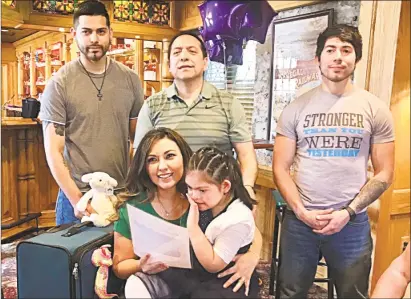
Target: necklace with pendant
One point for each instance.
(164, 209)
(99, 94)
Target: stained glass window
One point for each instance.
(142, 11)
(160, 13)
(62, 7)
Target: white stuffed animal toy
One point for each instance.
(102, 198)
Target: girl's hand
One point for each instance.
(193, 214)
(151, 268)
(242, 271)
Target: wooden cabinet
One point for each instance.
(146, 57)
(27, 184)
(123, 50)
(23, 83)
(8, 78)
(48, 60)
(152, 57)
(39, 56)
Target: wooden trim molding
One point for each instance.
(384, 49)
(368, 11)
(284, 5)
(10, 17)
(146, 32)
(37, 40)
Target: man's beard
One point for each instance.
(336, 80)
(93, 56)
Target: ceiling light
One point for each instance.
(4, 30)
(61, 29)
(18, 26)
(137, 36)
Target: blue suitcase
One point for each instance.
(57, 263)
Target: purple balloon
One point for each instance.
(233, 51)
(252, 19)
(202, 9)
(253, 16)
(258, 33)
(223, 18)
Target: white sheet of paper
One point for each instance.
(164, 241)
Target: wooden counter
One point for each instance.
(265, 209)
(17, 123)
(27, 184)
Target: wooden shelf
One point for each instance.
(41, 55)
(121, 52)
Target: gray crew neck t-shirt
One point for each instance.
(333, 136)
(96, 132)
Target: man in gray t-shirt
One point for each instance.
(333, 135)
(89, 110)
(329, 133)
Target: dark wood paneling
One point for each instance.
(27, 184)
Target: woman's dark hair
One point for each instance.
(90, 8)
(138, 179)
(346, 33)
(219, 167)
(202, 44)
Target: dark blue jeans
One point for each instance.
(347, 253)
(64, 210)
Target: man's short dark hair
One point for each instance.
(202, 44)
(345, 33)
(91, 8)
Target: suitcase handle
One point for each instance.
(60, 227)
(76, 228)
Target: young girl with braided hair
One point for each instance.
(215, 187)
